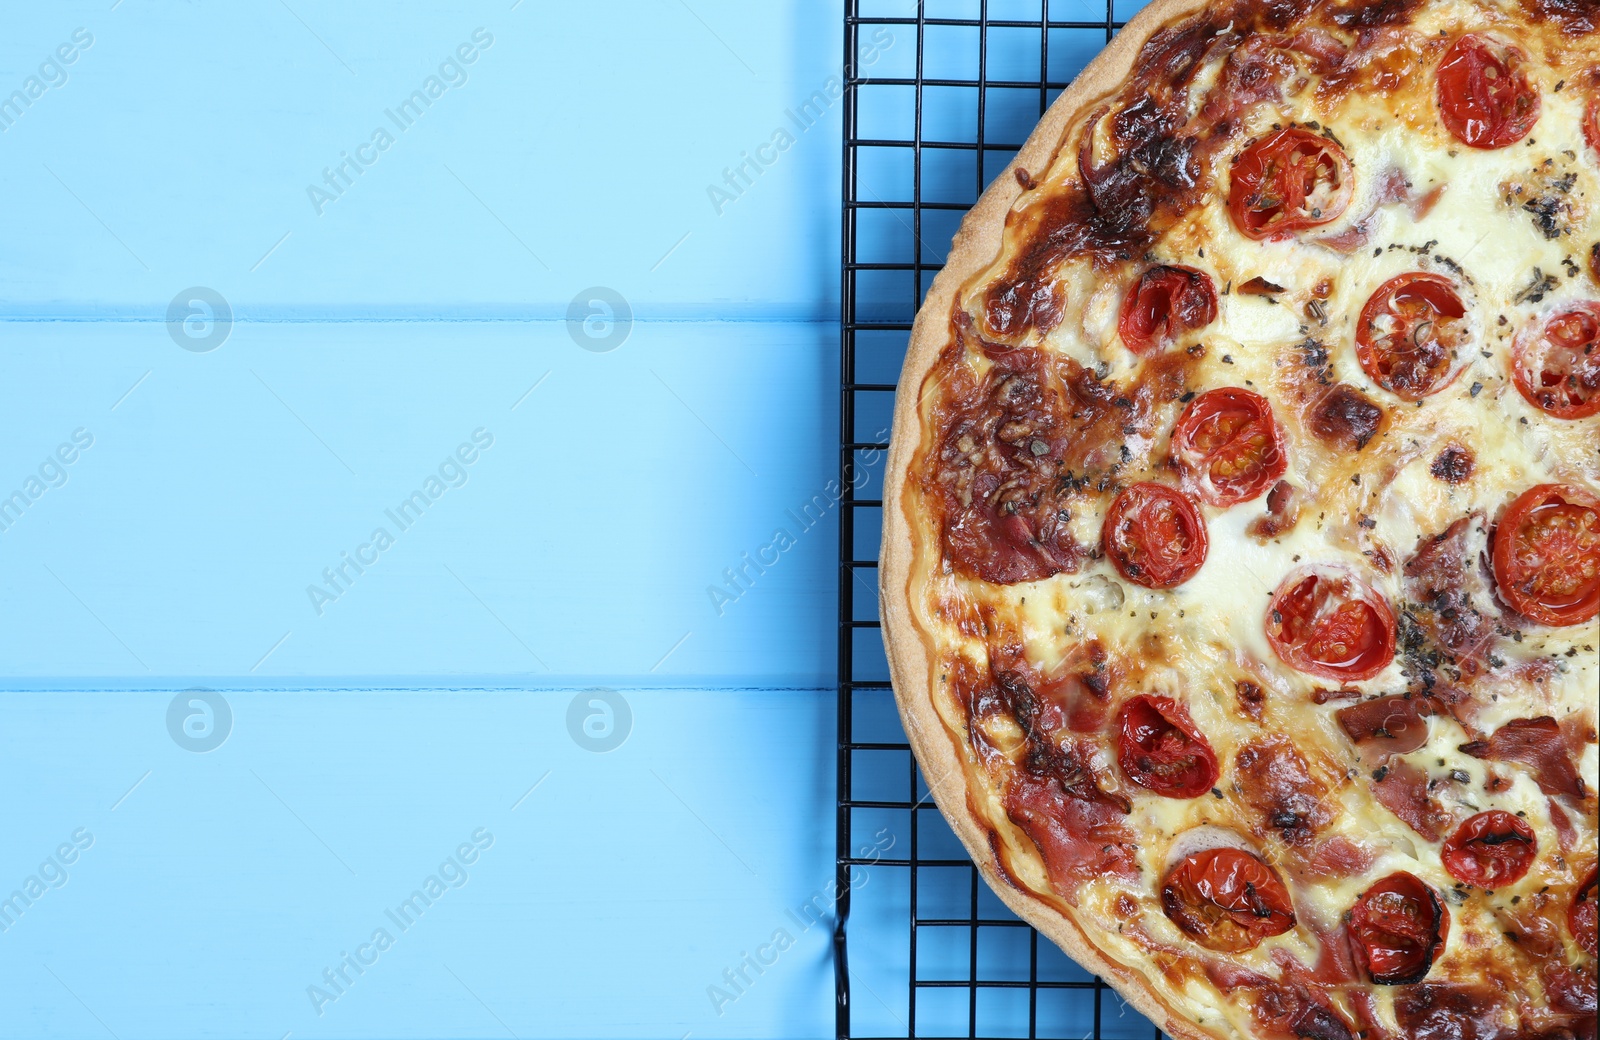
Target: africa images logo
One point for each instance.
(453, 472)
(199, 319)
(52, 473)
(451, 75)
(52, 75)
(199, 720)
(740, 177)
(599, 720)
(52, 873)
(349, 968)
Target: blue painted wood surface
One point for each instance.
(546, 295)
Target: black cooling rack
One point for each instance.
(921, 947)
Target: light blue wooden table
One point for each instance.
(294, 413)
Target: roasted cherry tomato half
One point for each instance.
(1329, 623)
(1556, 363)
(1581, 914)
(1159, 748)
(1485, 99)
(1229, 446)
(1412, 335)
(1491, 850)
(1226, 900)
(1397, 929)
(1166, 302)
(1591, 122)
(1155, 536)
(1546, 555)
(1288, 181)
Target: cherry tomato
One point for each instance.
(1226, 900)
(1591, 122)
(1410, 334)
(1581, 914)
(1546, 555)
(1288, 181)
(1397, 929)
(1485, 99)
(1159, 749)
(1163, 304)
(1328, 623)
(1556, 363)
(1155, 536)
(1491, 850)
(1229, 446)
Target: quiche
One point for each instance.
(1241, 534)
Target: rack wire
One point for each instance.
(939, 96)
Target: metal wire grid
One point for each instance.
(881, 291)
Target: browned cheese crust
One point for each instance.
(1013, 643)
